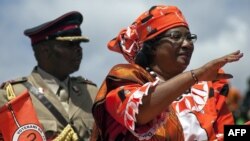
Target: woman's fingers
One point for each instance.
(210, 70)
(232, 57)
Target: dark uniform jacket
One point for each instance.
(82, 92)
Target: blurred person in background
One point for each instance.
(234, 100)
(245, 106)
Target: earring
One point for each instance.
(151, 72)
(154, 74)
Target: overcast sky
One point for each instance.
(222, 26)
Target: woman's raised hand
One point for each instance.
(210, 71)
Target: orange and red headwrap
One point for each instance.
(148, 25)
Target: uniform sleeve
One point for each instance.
(123, 103)
(2, 102)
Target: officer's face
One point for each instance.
(66, 57)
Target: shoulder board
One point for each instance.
(15, 81)
(80, 79)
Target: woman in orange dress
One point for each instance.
(153, 97)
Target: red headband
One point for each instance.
(148, 25)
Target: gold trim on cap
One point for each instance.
(72, 38)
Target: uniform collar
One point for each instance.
(52, 82)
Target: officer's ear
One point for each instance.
(42, 50)
(46, 50)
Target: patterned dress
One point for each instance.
(198, 114)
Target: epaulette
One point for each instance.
(80, 79)
(13, 82)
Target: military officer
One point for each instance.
(57, 50)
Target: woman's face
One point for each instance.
(173, 51)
